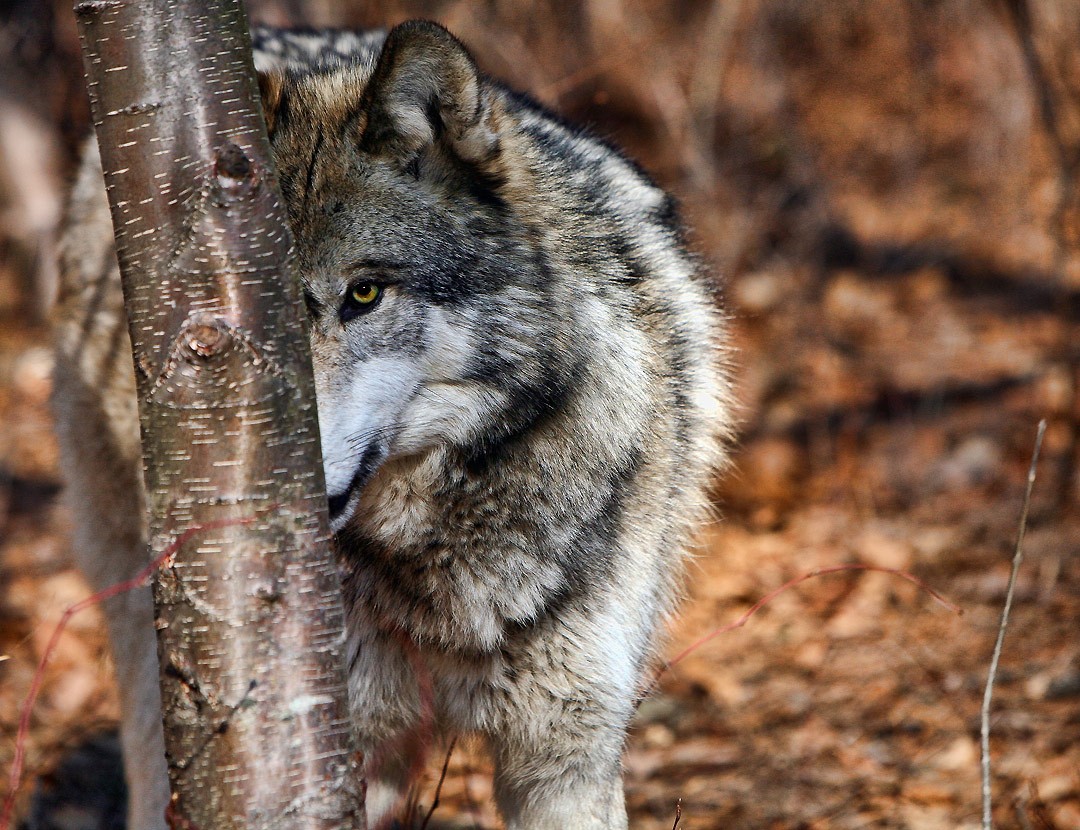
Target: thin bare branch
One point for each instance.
(1018, 557)
(438, 787)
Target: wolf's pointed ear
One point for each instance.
(425, 88)
(272, 91)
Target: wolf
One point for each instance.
(523, 391)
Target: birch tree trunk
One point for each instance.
(249, 613)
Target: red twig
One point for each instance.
(141, 579)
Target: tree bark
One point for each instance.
(249, 611)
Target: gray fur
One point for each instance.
(517, 436)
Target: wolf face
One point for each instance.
(521, 394)
(421, 287)
(394, 354)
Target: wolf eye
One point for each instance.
(365, 293)
(362, 297)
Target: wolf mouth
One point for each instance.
(338, 503)
(369, 462)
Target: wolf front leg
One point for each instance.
(390, 768)
(568, 699)
(538, 788)
(387, 708)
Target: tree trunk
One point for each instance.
(249, 610)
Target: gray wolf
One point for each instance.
(522, 396)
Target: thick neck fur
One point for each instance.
(444, 546)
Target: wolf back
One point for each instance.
(522, 390)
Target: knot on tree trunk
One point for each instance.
(214, 364)
(234, 173)
(207, 336)
(232, 163)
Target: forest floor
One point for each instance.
(883, 200)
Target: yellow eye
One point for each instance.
(365, 293)
(362, 298)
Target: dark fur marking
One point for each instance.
(392, 585)
(379, 264)
(434, 117)
(667, 216)
(450, 280)
(528, 408)
(483, 187)
(598, 535)
(313, 306)
(310, 181)
(587, 560)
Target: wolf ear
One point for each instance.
(426, 88)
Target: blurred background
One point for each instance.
(888, 192)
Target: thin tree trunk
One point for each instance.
(249, 612)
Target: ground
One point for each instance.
(888, 193)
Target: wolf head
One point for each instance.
(422, 288)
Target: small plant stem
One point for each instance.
(1018, 557)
